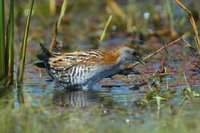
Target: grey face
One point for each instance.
(128, 55)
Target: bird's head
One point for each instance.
(128, 54)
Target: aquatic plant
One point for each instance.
(7, 45)
(20, 71)
(57, 25)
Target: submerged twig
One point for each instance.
(191, 20)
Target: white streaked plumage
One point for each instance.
(84, 69)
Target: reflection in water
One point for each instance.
(76, 98)
(20, 94)
(104, 96)
(80, 98)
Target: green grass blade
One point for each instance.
(105, 29)
(9, 43)
(2, 40)
(170, 12)
(20, 72)
(62, 13)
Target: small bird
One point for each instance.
(81, 70)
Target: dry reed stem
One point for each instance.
(191, 20)
(154, 53)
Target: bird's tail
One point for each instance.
(45, 54)
(43, 57)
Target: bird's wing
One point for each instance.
(64, 61)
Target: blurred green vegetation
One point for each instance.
(99, 118)
(84, 20)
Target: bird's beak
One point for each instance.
(140, 60)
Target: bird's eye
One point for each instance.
(134, 54)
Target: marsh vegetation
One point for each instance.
(162, 96)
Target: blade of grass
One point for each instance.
(62, 13)
(9, 43)
(20, 72)
(2, 40)
(105, 29)
(170, 12)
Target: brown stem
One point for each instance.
(154, 53)
(54, 39)
(191, 20)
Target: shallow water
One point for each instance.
(110, 91)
